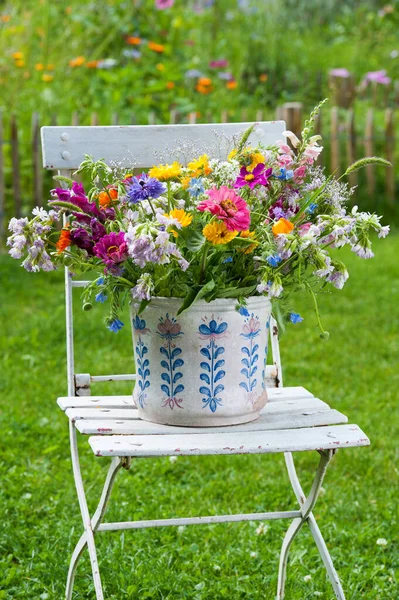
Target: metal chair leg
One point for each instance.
(90, 525)
(307, 505)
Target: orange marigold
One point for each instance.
(5, 18)
(92, 64)
(170, 85)
(133, 41)
(46, 77)
(231, 85)
(77, 62)
(156, 47)
(39, 66)
(105, 198)
(64, 240)
(263, 77)
(282, 226)
(17, 55)
(203, 89)
(204, 81)
(248, 235)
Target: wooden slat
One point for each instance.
(131, 413)
(251, 442)
(274, 394)
(37, 162)
(292, 112)
(16, 181)
(369, 148)
(266, 422)
(335, 140)
(351, 144)
(2, 181)
(65, 147)
(390, 155)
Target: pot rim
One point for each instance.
(160, 301)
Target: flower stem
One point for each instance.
(324, 334)
(203, 263)
(152, 207)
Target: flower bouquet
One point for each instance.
(204, 251)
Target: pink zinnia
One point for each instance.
(226, 205)
(112, 249)
(162, 4)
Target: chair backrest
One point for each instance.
(140, 146)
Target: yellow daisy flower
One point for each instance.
(256, 158)
(217, 233)
(180, 215)
(166, 172)
(248, 234)
(185, 182)
(200, 166)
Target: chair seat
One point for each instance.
(293, 420)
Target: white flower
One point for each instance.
(173, 459)
(262, 529)
(384, 231)
(382, 542)
(253, 554)
(307, 578)
(292, 137)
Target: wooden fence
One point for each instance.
(23, 184)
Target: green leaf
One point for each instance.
(233, 292)
(143, 305)
(194, 295)
(194, 240)
(63, 179)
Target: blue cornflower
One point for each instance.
(229, 259)
(311, 208)
(243, 311)
(115, 325)
(144, 187)
(284, 174)
(295, 318)
(273, 260)
(196, 187)
(101, 297)
(100, 281)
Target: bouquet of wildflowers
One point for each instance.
(261, 222)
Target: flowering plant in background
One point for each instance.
(262, 222)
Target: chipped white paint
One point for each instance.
(253, 442)
(139, 145)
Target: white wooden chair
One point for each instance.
(293, 420)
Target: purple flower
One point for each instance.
(98, 230)
(340, 73)
(115, 325)
(259, 176)
(76, 195)
(162, 4)
(141, 250)
(220, 63)
(143, 288)
(82, 239)
(144, 187)
(377, 77)
(112, 249)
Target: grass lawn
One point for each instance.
(356, 371)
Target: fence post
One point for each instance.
(173, 117)
(224, 117)
(292, 115)
(335, 163)
(390, 155)
(16, 182)
(351, 144)
(192, 118)
(2, 185)
(115, 119)
(151, 118)
(75, 118)
(94, 119)
(369, 148)
(36, 162)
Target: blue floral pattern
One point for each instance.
(212, 367)
(170, 330)
(143, 371)
(266, 351)
(251, 330)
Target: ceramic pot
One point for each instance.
(205, 367)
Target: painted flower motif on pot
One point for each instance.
(212, 366)
(170, 330)
(265, 359)
(251, 330)
(143, 363)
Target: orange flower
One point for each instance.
(105, 198)
(39, 66)
(204, 81)
(170, 85)
(133, 41)
(231, 85)
(47, 78)
(263, 77)
(20, 63)
(77, 62)
(50, 67)
(156, 47)
(282, 226)
(64, 240)
(17, 55)
(5, 18)
(92, 64)
(203, 89)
